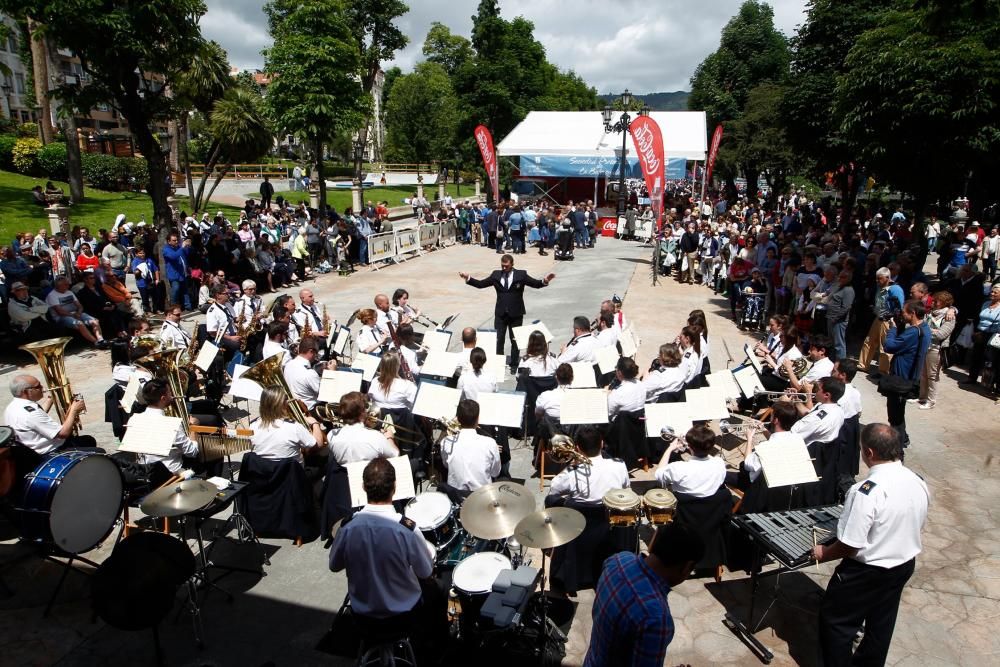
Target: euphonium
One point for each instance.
(799, 366)
(562, 449)
(166, 364)
(267, 373)
(49, 354)
(450, 426)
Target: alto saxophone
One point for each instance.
(325, 321)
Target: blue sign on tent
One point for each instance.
(590, 167)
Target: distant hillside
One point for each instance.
(675, 101)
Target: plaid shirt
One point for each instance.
(632, 622)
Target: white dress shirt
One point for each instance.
(821, 424)
(247, 306)
(356, 442)
(370, 339)
(821, 369)
(850, 402)
(173, 336)
(540, 367)
(580, 348)
(589, 483)
(472, 460)
(607, 337)
(699, 476)
(383, 318)
(691, 363)
(411, 359)
(272, 348)
(550, 402)
(219, 317)
(471, 384)
(280, 440)
(182, 446)
(630, 396)
(663, 380)
(302, 380)
(401, 394)
(34, 427)
(752, 463)
(312, 314)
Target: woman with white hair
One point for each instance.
(299, 253)
(248, 304)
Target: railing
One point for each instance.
(244, 171)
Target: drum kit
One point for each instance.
(626, 511)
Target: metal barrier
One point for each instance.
(448, 233)
(407, 240)
(381, 247)
(429, 233)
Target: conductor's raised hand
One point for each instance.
(549, 278)
(463, 276)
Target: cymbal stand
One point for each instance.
(548, 629)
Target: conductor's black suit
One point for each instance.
(509, 311)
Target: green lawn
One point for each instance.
(340, 198)
(19, 214)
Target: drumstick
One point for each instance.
(815, 543)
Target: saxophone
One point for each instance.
(325, 321)
(192, 349)
(306, 329)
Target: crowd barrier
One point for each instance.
(402, 244)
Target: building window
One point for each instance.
(12, 41)
(19, 83)
(25, 117)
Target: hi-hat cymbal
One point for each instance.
(492, 511)
(550, 528)
(179, 498)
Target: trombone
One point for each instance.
(742, 428)
(793, 396)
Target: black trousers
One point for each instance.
(504, 324)
(895, 407)
(857, 594)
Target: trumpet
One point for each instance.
(450, 426)
(326, 413)
(562, 449)
(793, 396)
(742, 428)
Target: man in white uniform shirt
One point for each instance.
(302, 379)
(607, 335)
(156, 395)
(878, 539)
(311, 312)
(783, 418)
(821, 422)
(248, 304)
(219, 321)
(357, 442)
(468, 345)
(385, 313)
(276, 343)
(172, 335)
(845, 370)
(583, 344)
(821, 367)
(28, 415)
(548, 405)
(472, 460)
(588, 483)
(701, 475)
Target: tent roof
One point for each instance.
(581, 134)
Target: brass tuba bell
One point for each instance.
(166, 365)
(267, 373)
(50, 356)
(562, 449)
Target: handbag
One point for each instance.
(994, 341)
(965, 337)
(904, 387)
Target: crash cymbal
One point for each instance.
(492, 511)
(550, 528)
(179, 498)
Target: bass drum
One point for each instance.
(71, 501)
(8, 466)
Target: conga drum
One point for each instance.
(660, 506)
(623, 507)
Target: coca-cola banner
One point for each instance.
(713, 152)
(648, 142)
(485, 141)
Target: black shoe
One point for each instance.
(543, 253)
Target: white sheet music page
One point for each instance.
(502, 408)
(147, 433)
(496, 364)
(435, 401)
(368, 364)
(584, 406)
(674, 415)
(437, 340)
(487, 339)
(725, 382)
(607, 358)
(206, 355)
(628, 342)
(785, 464)
(404, 480)
(753, 358)
(748, 381)
(521, 333)
(706, 403)
(583, 375)
(246, 389)
(131, 391)
(441, 364)
(336, 383)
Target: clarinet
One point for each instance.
(404, 367)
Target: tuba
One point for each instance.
(166, 364)
(49, 354)
(562, 449)
(267, 373)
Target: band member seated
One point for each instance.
(389, 564)
(310, 312)
(219, 322)
(629, 395)
(783, 418)
(28, 415)
(845, 370)
(409, 350)
(385, 314)
(401, 304)
(372, 337)
(172, 335)
(157, 396)
(472, 460)
(538, 361)
(582, 346)
(587, 483)
(607, 334)
(250, 303)
(355, 441)
(701, 475)
(821, 367)
(771, 380)
(771, 345)
(549, 403)
(821, 419)
(276, 342)
(476, 379)
(277, 436)
(389, 391)
(280, 314)
(28, 314)
(300, 374)
(468, 344)
(668, 377)
(689, 342)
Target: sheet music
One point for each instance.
(724, 381)
(521, 333)
(487, 339)
(336, 383)
(754, 359)
(496, 364)
(628, 342)
(584, 406)
(367, 364)
(786, 464)
(706, 403)
(607, 358)
(583, 375)
(748, 381)
(437, 340)
(342, 341)
(436, 401)
(502, 408)
(206, 355)
(131, 391)
(404, 480)
(148, 433)
(674, 415)
(246, 389)
(441, 364)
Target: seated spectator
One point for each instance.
(27, 314)
(66, 311)
(37, 196)
(87, 259)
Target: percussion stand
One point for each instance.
(548, 629)
(53, 555)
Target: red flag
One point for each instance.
(648, 142)
(713, 151)
(485, 141)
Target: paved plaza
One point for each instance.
(948, 609)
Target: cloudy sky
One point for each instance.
(644, 45)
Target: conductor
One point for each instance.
(509, 312)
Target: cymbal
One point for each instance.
(550, 528)
(491, 512)
(179, 498)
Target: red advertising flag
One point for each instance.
(648, 142)
(713, 152)
(485, 141)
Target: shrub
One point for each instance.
(26, 156)
(137, 168)
(7, 142)
(27, 130)
(52, 161)
(102, 171)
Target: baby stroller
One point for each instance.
(564, 241)
(753, 315)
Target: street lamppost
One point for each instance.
(621, 127)
(359, 156)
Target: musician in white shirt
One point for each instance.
(408, 349)
(249, 304)
(302, 379)
(629, 395)
(771, 346)
(538, 361)
(689, 342)
(668, 377)
(821, 367)
(845, 370)
(388, 390)
(401, 304)
(549, 403)
(385, 314)
(701, 475)
(607, 335)
(357, 442)
(476, 380)
(821, 422)
(587, 483)
(582, 346)
(311, 312)
(157, 396)
(472, 460)
(783, 417)
(277, 436)
(275, 342)
(614, 307)
(219, 321)
(372, 337)
(171, 333)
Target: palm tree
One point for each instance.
(240, 132)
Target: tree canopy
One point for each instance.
(422, 115)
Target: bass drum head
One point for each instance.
(6, 436)
(476, 574)
(86, 504)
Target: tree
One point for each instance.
(422, 115)
(566, 91)
(448, 50)
(315, 91)
(240, 133)
(760, 145)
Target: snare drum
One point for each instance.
(473, 581)
(436, 518)
(624, 507)
(660, 506)
(72, 501)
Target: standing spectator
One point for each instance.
(364, 230)
(175, 256)
(941, 322)
(87, 259)
(689, 246)
(266, 192)
(909, 347)
(115, 255)
(838, 311)
(888, 300)
(297, 175)
(987, 326)
(515, 224)
(989, 250)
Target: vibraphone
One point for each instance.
(788, 537)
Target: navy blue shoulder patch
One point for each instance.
(29, 408)
(821, 414)
(867, 487)
(408, 522)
